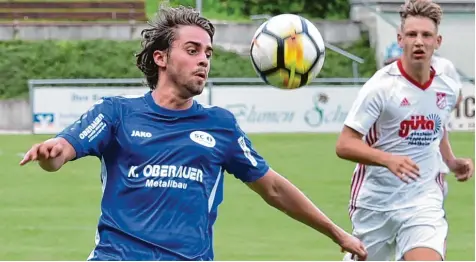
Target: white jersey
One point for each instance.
(446, 67)
(397, 115)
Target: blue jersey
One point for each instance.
(162, 175)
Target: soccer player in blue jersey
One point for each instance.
(164, 155)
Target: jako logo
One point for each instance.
(203, 138)
(432, 122)
(136, 133)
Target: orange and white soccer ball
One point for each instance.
(287, 51)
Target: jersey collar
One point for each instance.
(169, 112)
(423, 86)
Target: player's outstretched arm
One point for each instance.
(350, 146)
(247, 165)
(88, 136)
(51, 154)
(278, 192)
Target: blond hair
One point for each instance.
(421, 8)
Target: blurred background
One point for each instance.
(58, 57)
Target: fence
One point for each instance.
(320, 107)
(40, 11)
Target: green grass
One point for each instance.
(52, 216)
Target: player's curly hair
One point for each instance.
(421, 8)
(161, 35)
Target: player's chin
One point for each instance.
(196, 88)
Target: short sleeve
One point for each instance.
(450, 70)
(92, 133)
(242, 159)
(366, 108)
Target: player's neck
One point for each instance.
(419, 72)
(169, 99)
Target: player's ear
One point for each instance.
(439, 39)
(400, 38)
(160, 58)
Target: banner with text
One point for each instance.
(462, 118)
(261, 109)
(55, 108)
(258, 109)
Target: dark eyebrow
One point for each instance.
(209, 48)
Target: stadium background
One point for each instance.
(52, 216)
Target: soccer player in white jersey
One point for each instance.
(395, 132)
(444, 66)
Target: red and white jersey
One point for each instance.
(398, 115)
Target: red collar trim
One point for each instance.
(413, 81)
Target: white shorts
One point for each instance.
(445, 185)
(389, 235)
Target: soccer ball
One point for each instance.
(287, 51)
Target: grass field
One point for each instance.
(52, 216)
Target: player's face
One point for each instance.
(419, 38)
(188, 63)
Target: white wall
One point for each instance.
(232, 36)
(15, 115)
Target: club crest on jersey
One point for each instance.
(203, 138)
(420, 130)
(441, 100)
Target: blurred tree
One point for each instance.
(310, 8)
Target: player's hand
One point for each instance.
(353, 246)
(48, 149)
(403, 167)
(463, 168)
